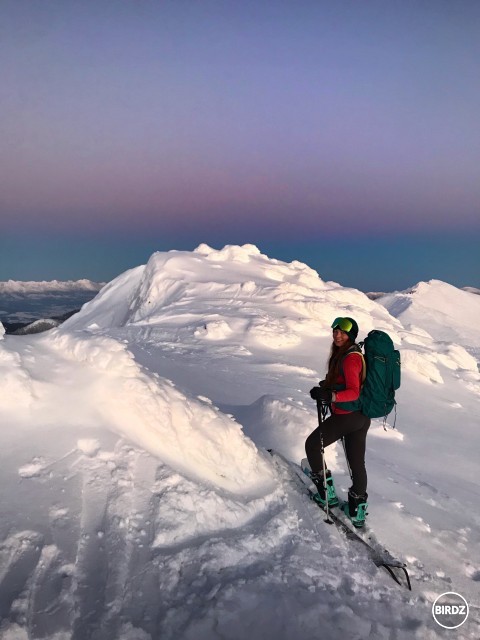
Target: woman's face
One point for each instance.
(340, 337)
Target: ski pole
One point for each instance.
(320, 408)
(346, 458)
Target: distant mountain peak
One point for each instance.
(44, 286)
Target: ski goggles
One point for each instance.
(344, 324)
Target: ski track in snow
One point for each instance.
(128, 576)
(126, 570)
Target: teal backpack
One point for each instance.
(382, 377)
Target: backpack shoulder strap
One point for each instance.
(355, 348)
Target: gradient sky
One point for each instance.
(344, 134)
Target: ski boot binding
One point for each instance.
(356, 508)
(317, 479)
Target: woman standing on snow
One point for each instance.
(341, 389)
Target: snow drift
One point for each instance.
(138, 500)
(447, 313)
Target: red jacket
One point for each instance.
(352, 369)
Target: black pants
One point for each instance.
(353, 428)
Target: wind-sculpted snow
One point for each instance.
(213, 292)
(17, 392)
(421, 364)
(456, 357)
(189, 434)
(425, 363)
(111, 306)
(279, 424)
(138, 501)
(447, 313)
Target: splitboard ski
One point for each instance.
(365, 539)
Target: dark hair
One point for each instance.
(336, 356)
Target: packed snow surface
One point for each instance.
(139, 502)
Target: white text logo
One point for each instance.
(450, 610)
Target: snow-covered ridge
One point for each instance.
(446, 312)
(217, 293)
(39, 326)
(239, 297)
(141, 502)
(48, 286)
(472, 290)
(238, 301)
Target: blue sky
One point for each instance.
(339, 134)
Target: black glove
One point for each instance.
(316, 390)
(321, 394)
